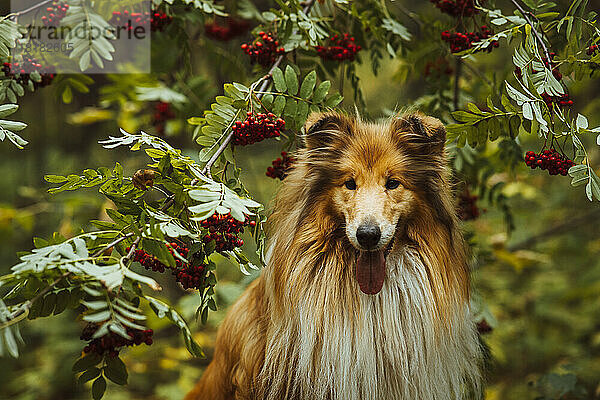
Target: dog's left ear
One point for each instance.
(420, 132)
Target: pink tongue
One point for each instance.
(370, 271)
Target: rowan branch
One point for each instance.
(261, 89)
(32, 8)
(558, 229)
(535, 32)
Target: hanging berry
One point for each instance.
(459, 41)
(340, 48)
(111, 343)
(551, 160)
(256, 127)
(280, 166)
(162, 113)
(155, 20)
(457, 8)
(224, 230)
(21, 72)
(233, 27)
(562, 101)
(55, 13)
(593, 49)
(264, 50)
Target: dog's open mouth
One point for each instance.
(370, 269)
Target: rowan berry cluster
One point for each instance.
(56, 12)
(562, 101)
(280, 166)
(21, 72)
(224, 230)
(459, 41)
(256, 127)
(156, 20)
(162, 113)
(151, 262)
(457, 8)
(264, 50)
(341, 48)
(593, 49)
(190, 276)
(467, 206)
(233, 27)
(112, 343)
(551, 160)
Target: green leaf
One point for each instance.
(308, 85)
(279, 80)
(86, 362)
(291, 80)
(321, 91)
(116, 370)
(98, 388)
(278, 105)
(334, 100)
(88, 375)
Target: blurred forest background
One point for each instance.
(540, 280)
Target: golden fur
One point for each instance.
(303, 329)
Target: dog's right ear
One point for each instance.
(322, 130)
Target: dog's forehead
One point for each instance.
(372, 148)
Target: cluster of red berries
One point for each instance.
(593, 49)
(467, 206)
(457, 8)
(150, 262)
(162, 113)
(56, 12)
(224, 230)
(459, 41)
(21, 72)
(112, 343)
(190, 276)
(438, 68)
(551, 160)
(280, 166)
(256, 127)
(563, 100)
(341, 47)
(233, 27)
(156, 20)
(263, 52)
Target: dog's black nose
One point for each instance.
(368, 235)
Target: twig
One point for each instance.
(112, 244)
(262, 88)
(25, 307)
(535, 32)
(558, 229)
(34, 7)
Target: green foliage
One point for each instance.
(8, 128)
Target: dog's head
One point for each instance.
(375, 178)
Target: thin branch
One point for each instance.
(112, 244)
(25, 307)
(559, 229)
(34, 7)
(535, 32)
(262, 88)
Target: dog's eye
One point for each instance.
(392, 184)
(350, 184)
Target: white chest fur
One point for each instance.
(388, 349)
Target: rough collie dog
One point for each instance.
(366, 290)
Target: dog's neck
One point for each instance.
(339, 343)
